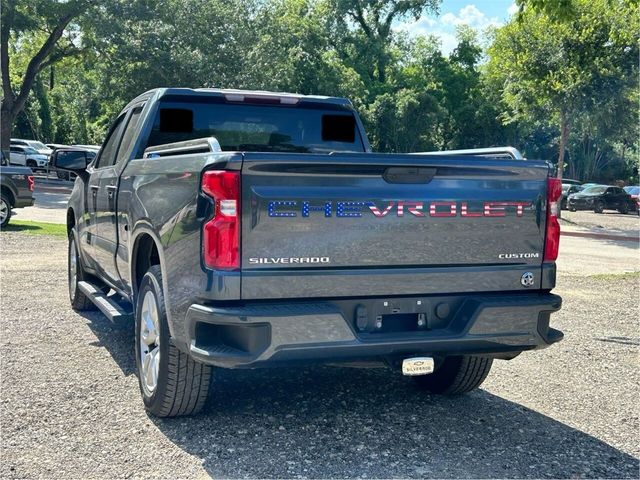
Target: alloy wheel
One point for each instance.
(73, 269)
(4, 210)
(149, 343)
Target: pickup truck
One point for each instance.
(242, 229)
(17, 184)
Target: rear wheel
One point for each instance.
(624, 209)
(598, 207)
(5, 210)
(171, 382)
(456, 375)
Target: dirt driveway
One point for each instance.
(71, 407)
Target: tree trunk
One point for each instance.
(6, 122)
(564, 134)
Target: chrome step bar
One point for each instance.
(107, 305)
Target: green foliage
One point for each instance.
(557, 66)
(576, 70)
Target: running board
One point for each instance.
(113, 310)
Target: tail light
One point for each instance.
(221, 234)
(552, 237)
(31, 182)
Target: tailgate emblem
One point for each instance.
(527, 279)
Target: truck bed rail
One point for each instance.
(199, 145)
(494, 152)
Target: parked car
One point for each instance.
(634, 193)
(571, 181)
(55, 146)
(89, 153)
(28, 157)
(599, 198)
(39, 147)
(90, 147)
(17, 184)
(568, 189)
(247, 229)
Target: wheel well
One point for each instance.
(145, 255)
(9, 194)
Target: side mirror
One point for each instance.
(75, 161)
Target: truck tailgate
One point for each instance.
(378, 224)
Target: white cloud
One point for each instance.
(469, 15)
(444, 27)
(513, 9)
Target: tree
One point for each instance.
(560, 67)
(374, 19)
(23, 23)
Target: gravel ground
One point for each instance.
(614, 222)
(71, 407)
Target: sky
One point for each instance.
(478, 14)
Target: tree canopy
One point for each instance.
(558, 80)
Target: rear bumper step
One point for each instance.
(260, 334)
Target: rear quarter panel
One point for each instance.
(161, 198)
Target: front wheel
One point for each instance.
(5, 210)
(598, 207)
(79, 301)
(171, 382)
(624, 209)
(456, 375)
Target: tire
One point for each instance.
(5, 210)
(32, 164)
(598, 207)
(624, 209)
(563, 205)
(572, 209)
(79, 301)
(457, 375)
(180, 385)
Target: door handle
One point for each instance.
(112, 188)
(94, 188)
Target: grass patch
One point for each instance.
(615, 276)
(36, 228)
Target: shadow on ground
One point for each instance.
(336, 422)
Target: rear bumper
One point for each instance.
(260, 334)
(26, 201)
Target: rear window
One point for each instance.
(258, 128)
(594, 190)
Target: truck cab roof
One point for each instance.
(230, 94)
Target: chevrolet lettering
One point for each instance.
(292, 208)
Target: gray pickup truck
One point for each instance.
(17, 185)
(243, 229)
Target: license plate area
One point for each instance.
(393, 316)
